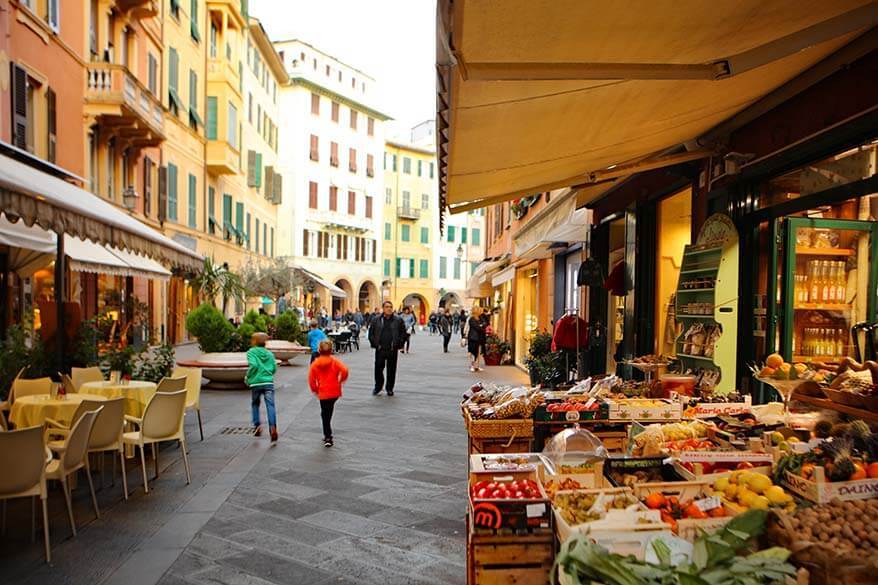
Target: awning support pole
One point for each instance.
(60, 287)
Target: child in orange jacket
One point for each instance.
(325, 378)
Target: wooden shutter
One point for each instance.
(335, 111)
(19, 107)
(333, 198)
(374, 251)
(398, 266)
(315, 155)
(312, 195)
(352, 160)
(338, 246)
(346, 240)
(411, 267)
(258, 170)
(278, 189)
(211, 128)
(251, 168)
(163, 193)
(147, 186)
(304, 242)
(353, 119)
(51, 123)
(333, 154)
(269, 182)
(369, 206)
(315, 104)
(370, 170)
(371, 126)
(352, 203)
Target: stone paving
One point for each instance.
(384, 506)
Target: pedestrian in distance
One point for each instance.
(475, 338)
(261, 367)
(315, 336)
(386, 336)
(409, 321)
(325, 377)
(463, 318)
(455, 321)
(444, 324)
(434, 322)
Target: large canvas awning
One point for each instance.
(320, 281)
(535, 95)
(40, 198)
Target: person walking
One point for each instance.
(315, 336)
(325, 377)
(409, 321)
(462, 323)
(444, 324)
(455, 321)
(475, 338)
(261, 367)
(385, 337)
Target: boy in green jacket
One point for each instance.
(260, 377)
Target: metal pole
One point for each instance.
(60, 287)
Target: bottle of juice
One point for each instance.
(841, 285)
(832, 279)
(824, 281)
(813, 285)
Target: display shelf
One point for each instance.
(830, 405)
(805, 251)
(696, 251)
(699, 270)
(694, 290)
(695, 357)
(823, 307)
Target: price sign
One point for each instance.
(708, 504)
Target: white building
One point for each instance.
(331, 147)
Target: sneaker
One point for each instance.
(376, 391)
(257, 431)
(472, 368)
(390, 392)
(273, 431)
(327, 442)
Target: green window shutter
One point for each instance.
(211, 210)
(258, 170)
(477, 237)
(451, 233)
(463, 235)
(406, 233)
(443, 267)
(387, 267)
(211, 117)
(172, 192)
(398, 265)
(424, 269)
(247, 237)
(251, 168)
(192, 201)
(239, 221)
(411, 267)
(472, 267)
(425, 235)
(173, 64)
(387, 231)
(257, 236)
(272, 242)
(193, 22)
(457, 268)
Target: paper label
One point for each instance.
(535, 510)
(571, 415)
(708, 504)
(590, 402)
(709, 456)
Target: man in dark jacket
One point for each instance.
(444, 325)
(386, 335)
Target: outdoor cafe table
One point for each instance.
(136, 393)
(31, 411)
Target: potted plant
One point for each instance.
(495, 350)
(211, 328)
(545, 367)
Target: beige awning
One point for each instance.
(333, 290)
(30, 248)
(559, 222)
(534, 95)
(141, 265)
(56, 205)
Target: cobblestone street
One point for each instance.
(385, 505)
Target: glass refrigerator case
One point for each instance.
(826, 286)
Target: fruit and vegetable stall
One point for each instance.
(609, 481)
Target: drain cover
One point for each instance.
(241, 431)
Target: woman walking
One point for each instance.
(409, 320)
(444, 326)
(475, 338)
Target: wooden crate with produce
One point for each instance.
(498, 559)
(499, 419)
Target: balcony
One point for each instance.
(408, 213)
(140, 8)
(236, 9)
(117, 100)
(222, 158)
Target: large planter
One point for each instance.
(224, 371)
(286, 351)
(493, 359)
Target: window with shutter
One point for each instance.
(398, 267)
(463, 235)
(239, 221)
(420, 167)
(339, 253)
(251, 168)
(315, 103)
(369, 206)
(424, 269)
(265, 239)
(211, 210)
(278, 189)
(211, 128)
(256, 247)
(352, 160)
(272, 243)
(335, 109)
(258, 170)
(53, 15)
(406, 165)
(443, 267)
(411, 267)
(457, 269)
(315, 156)
(425, 235)
(370, 126)
(19, 107)
(333, 198)
(431, 170)
(312, 195)
(333, 154)
(227, 216)
(370, 170)
(425, 201)
(147, 186)
(193, 223)
(194, 118)
(387, 267)
(163, 194)
(51, 124)
(353, 119)
(172, 192)
(405, 235)
(352, 203)
(193, 21)
(152, 76)
(304, 242)
(374, 251)
(174, 102)
(247, 232)
(388, 231)
(269, 182)
(477, 237)
(345, 247)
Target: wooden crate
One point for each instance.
(510, 560)
(500, 445)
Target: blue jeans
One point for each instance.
(256, 393)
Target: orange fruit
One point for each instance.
(655, 501)
(775, 361)
(859, 472)
(872, 470)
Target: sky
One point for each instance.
(393, 41)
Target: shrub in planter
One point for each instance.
(241, 338)
(118, 359)
(257, 321)
(495, 350)
(154, 364)
(545, 366)
(212, 329)
(287, 327)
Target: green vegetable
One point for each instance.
(715, 560)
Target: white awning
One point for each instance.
(56, 205)
(333, 290)
(503, 276)
(535, 95)
(30, 247)
(146, 266)
(86, 256)
(560, 222)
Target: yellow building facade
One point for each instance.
(410, 226)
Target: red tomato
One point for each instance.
(744, 465)
(496, 494)
(482, 494)
(529, 494)
(491, 486)
(480, 485)
(519, 495)
(515, 486)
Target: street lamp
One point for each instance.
(129, 198)
(459, 251)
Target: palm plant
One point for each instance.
(216, 280)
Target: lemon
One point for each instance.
(721, 484)
(758, 482)
(777, 438)
(735, 476)
(731, 491)
(776, 495)
(746, 497)
(759, 503)
(794, 439)
(784, 446)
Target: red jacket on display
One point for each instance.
(564, 336)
